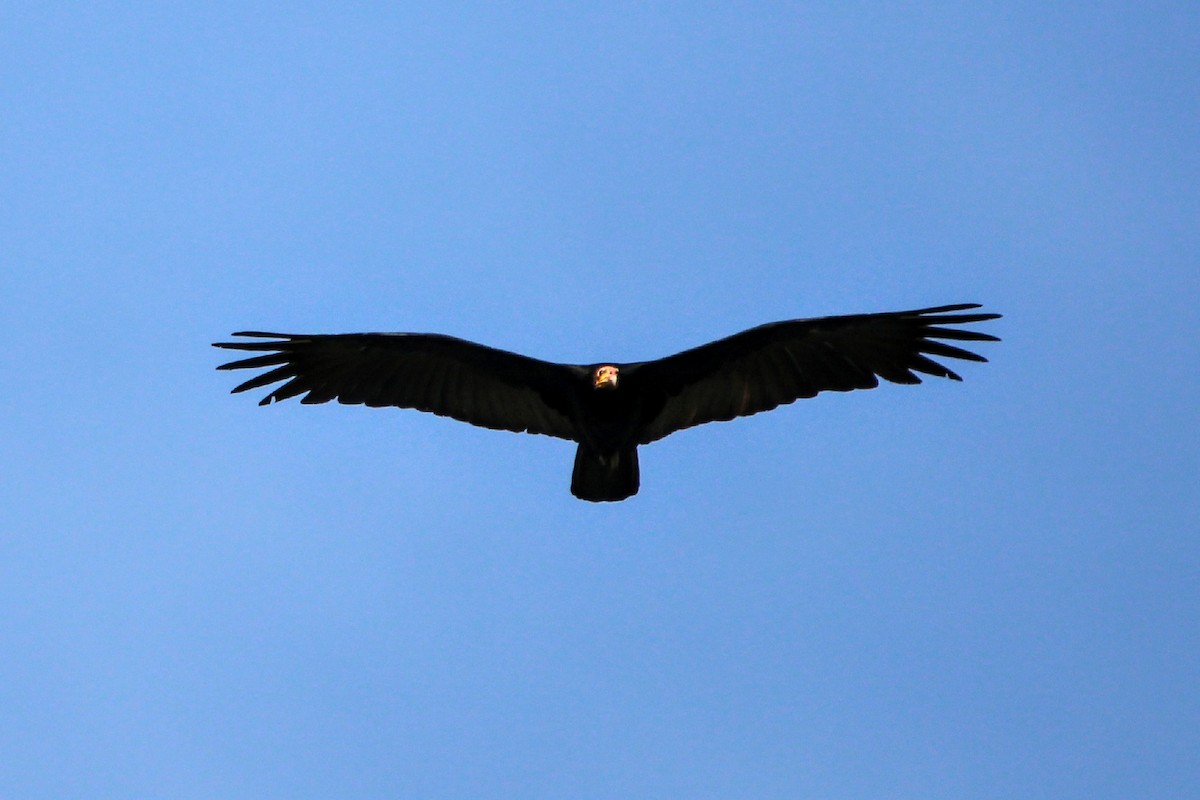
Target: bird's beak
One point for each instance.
(605, 378)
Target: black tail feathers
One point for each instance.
(605, 478)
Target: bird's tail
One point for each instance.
(603, 478)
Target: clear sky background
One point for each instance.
(979, 590)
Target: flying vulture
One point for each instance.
(607, 408)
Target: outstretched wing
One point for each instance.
(781, 362)
(429, 372)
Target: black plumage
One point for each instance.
(609, 408)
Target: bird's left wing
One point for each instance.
(781, 362)
(429, 372)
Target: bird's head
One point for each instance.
(604, 377)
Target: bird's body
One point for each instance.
(606, 465)
(610, 409)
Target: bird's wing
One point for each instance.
(781, 362)
(430, 372)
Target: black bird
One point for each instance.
(610, 409)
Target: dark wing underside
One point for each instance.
(429, 372)
(779, 363)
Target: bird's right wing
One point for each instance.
(441, 374)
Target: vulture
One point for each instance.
(610, 408)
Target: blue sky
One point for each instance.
(977, 590)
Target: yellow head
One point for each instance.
(605, 377)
